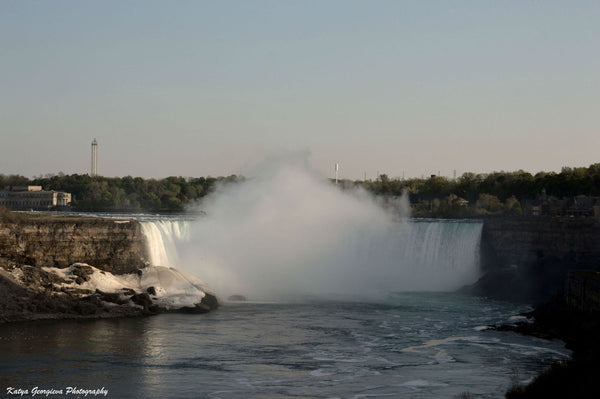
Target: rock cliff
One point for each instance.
(527, 259)
(116, 246)
(582, 290)
(522, 242)
(74, 267)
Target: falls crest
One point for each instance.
(406, 256)
(162, 237)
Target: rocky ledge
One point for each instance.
(576, 377)
(83, 291)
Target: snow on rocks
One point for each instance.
(155, 288)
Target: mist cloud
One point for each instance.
(286, 233)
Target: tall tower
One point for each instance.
(337, 168)
(94, 158)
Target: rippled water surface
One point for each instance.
(414, 345)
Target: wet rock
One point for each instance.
(33, 293)
(143, 300)
(210, 301)
(198, 308)
(112, 297)
(83, 273)
(37, 278)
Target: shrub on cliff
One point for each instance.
(7, 216)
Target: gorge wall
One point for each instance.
(527, 241)
(116, 246)
(525, 259)
(528, 258)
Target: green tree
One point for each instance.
(488, 204)
(512, 206)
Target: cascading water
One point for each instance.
(414, 255)
(161, 238)
(290, 235)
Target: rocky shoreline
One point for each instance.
(33, 293)
(576, 377)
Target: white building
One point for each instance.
(33, 197)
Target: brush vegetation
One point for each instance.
(469, 195)
(126, 194)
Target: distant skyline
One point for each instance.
(198, 88)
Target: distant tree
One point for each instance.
(488, 204)
(512, 206)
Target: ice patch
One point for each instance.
(170, 288)
(174, 288)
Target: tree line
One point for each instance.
(489, 193)
(122, 194)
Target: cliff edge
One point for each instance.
(54, 267)
(528, 259)
(116, 246)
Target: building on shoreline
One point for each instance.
(34, 198)
(579, 206)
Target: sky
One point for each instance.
(210, 88)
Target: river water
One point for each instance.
(315, 333)
(413, 345)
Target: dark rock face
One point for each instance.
(82, 272)
(142, 299)
(527, 259)
(538, 240)
(582, 290)
(504, 284)
(210, 301)
(114, 246)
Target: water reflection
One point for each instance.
(91, 353)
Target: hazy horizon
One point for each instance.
(201, 88)
(330, 176)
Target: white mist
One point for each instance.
(287, 234)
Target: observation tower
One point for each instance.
(94, 158)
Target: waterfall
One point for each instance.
(365, 262)
(162, 237)
(443, 255)
(413, 255)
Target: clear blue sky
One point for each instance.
(196, 88)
